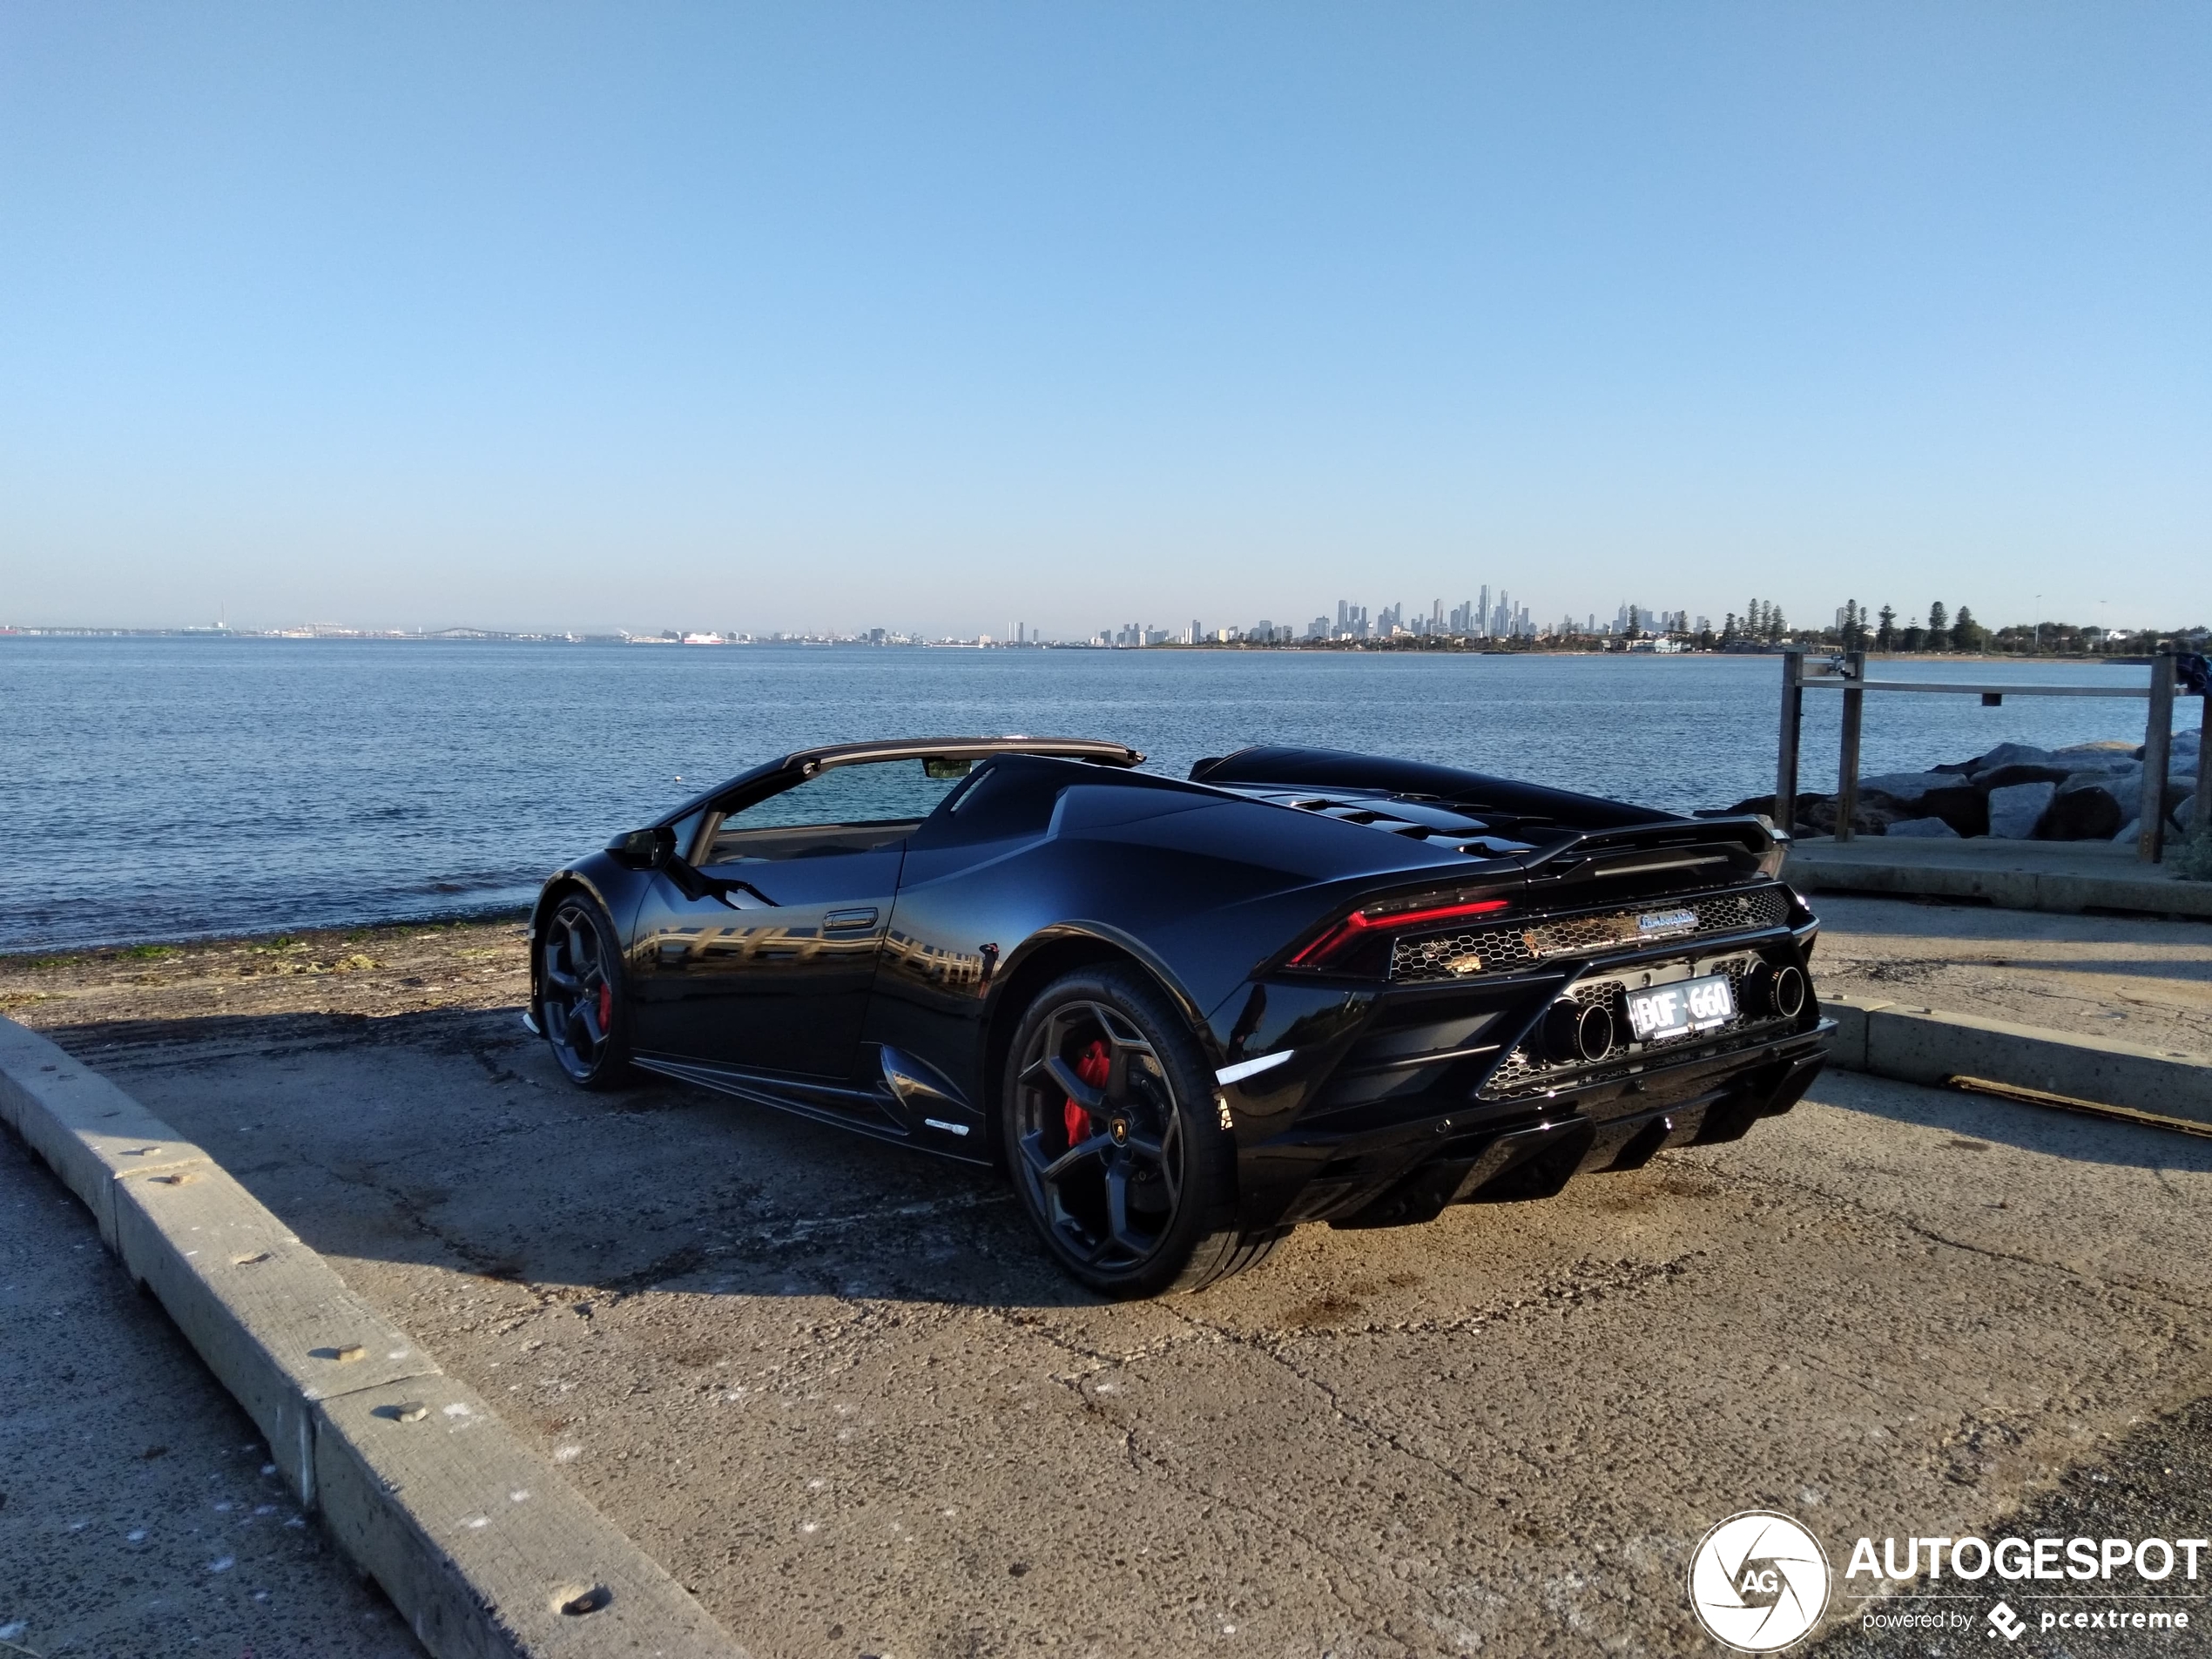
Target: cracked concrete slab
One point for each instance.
(834, 1389)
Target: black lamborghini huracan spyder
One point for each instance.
(1186, 1015)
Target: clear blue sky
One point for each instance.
(942, 316)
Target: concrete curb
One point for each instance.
(485, 1551)
(1920, 1045)
(1813, 866)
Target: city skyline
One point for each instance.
(1477, 619)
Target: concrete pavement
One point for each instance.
(834, 1389)
(140, 1513)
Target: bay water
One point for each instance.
(156, 788)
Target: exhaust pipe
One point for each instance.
(1577, 1033)
(1782, 989)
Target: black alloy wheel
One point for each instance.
(580, 1003)
(1112, 1135)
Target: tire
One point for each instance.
(1109, 1130)
(582, 1001)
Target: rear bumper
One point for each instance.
(1484, 1152)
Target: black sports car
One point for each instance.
(1186, 1015)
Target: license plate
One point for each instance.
(1677, 1010)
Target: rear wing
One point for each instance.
(1669, 855)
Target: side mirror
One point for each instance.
(645, 849)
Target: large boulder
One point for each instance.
(1816, 816)
(1762, 805)
(1964, 807)
(1906, 788)
(2009, 754)
(2020, 763)
(1945, 795)
(2105, 750)
(2178, 799)
(1928, 829)
(2082, 810)
(2015, 809)
(2020, 772)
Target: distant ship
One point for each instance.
(704, 639)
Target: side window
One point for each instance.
(841, 809)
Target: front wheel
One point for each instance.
(581, 1007)
(1116, 1150)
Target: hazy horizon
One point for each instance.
(694, 317)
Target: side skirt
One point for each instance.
(876, 1113)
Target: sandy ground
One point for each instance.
(2129, 978)
(833, 1387)
(369, 971)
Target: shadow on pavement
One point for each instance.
(2048, 1129)
(449, 1138)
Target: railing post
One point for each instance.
(2200, 814)
(1847, 762)
(2158, 745)
(1785, 769)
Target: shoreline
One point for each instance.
(367, 972)
(1372, 648)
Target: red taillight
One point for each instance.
(1362, 923)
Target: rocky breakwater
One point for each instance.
(2092, 792)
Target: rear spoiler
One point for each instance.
(1670, 852)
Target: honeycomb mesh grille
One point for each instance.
(1499, 949)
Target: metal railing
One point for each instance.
(1849, 676)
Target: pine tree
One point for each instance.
(1938, 626)
(1885, 635)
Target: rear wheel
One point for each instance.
(1112, 1136)
(581, 1007)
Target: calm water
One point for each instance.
(160, 788)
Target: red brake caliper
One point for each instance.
(1094, 1065)
(606, 1004)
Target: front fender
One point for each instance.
(618, 889)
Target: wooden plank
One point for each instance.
(1785, 768)
(1847, 760)
(1837, 682)
(2158, 745)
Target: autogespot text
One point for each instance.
(2081, 1559)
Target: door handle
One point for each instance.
(848, 921)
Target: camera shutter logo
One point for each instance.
(1758, 1581)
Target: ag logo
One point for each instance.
(1758, 1581)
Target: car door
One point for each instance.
(758, 953)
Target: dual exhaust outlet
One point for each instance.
(1579, 1034)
